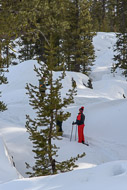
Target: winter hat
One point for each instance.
(81, 109)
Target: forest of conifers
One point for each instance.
(71, 23)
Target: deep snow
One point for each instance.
(105, 164)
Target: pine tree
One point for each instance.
(77, 39)
(97, 14)
(27, 48)
(3, 80)
(43, 129)
(121, 44)
(111, 14)
(86, 47)
(103, 13)
(90, 84)
(6, 17)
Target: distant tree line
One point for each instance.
(79, 21)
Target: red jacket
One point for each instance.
(80, 119)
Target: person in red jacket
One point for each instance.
(80, 122)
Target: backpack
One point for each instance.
(42, 85)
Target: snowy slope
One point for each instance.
(105, 127)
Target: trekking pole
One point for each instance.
(71, 132)
(75, 132)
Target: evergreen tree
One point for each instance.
(6, 33)
(43, 129)
(77, 39)
(3, 80)
(27, 48)
(90, 84)
(121, 44)
(104, 15)
(97, 10)
(111, 14)
(36, 32)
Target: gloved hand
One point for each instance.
(73, 123)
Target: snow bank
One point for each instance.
(7, 170)
(111, 176)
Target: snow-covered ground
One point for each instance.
(105, 164)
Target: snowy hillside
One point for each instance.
(105, 164)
